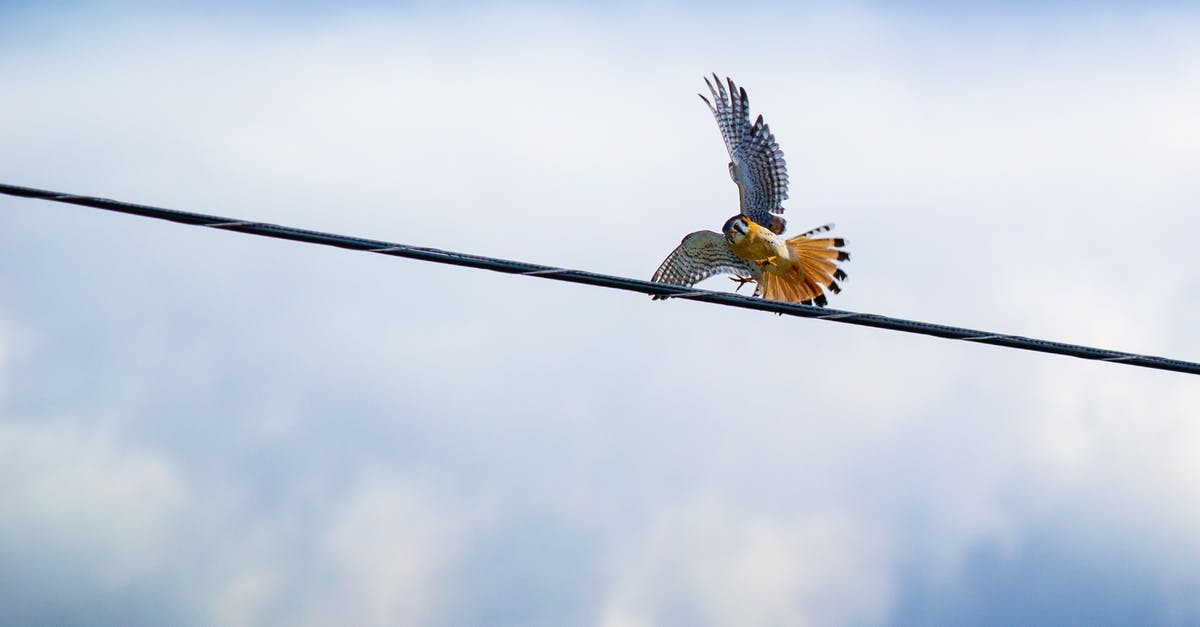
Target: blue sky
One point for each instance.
(208, 428)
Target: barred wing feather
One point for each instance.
(756, 162)
(699, 256)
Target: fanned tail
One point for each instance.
(814, 271)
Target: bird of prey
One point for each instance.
(797, 270)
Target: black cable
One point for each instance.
(604, 280)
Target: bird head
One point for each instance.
(736, 228)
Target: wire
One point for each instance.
(604, 280)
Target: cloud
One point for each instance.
(243, 431)
(703, 564)
(84, 522)
(386, 550)
(96, 530)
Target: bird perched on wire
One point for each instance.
(799, 269)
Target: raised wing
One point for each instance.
(701, 255)
(756, 162)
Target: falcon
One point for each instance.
(800, 269)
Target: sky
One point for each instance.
(202, 427)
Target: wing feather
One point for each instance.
(756, 161)
(699, 256)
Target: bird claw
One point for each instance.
(741, 280)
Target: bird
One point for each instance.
(750, 246)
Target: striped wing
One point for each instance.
(699, 256)
(756, 162)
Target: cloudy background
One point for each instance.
(201, 427)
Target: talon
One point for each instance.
(741, 280)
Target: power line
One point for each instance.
(604, 280)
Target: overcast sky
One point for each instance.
(203, 427)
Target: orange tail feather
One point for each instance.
(813, 273)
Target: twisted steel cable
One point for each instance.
(603, 280)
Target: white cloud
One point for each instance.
(84, 520)
(704, 564)
(304, 424)
(386, 549)
(246, 596)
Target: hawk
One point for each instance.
(796, 270)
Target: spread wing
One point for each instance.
(699, 256)
(756, 162)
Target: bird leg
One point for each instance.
(741, 280)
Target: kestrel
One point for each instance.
(797, 270)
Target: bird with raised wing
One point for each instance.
(799, 269)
